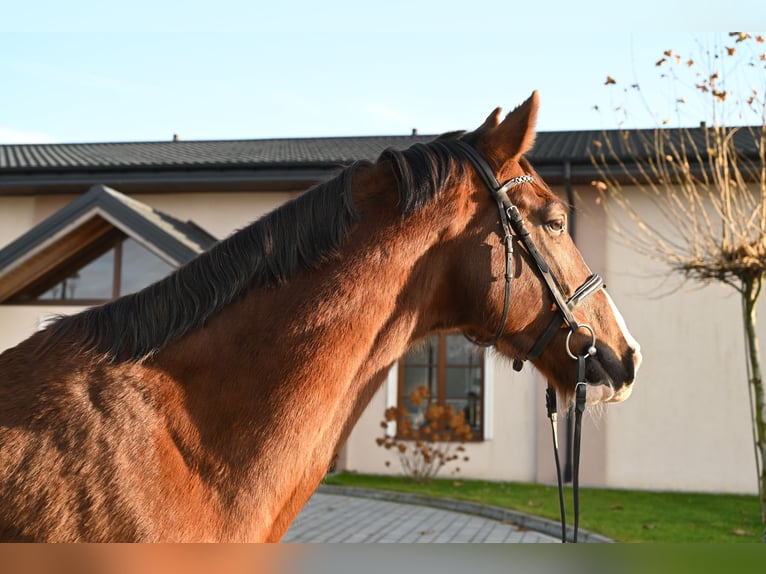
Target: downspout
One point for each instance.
(572, 232)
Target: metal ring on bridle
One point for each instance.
(591, 347)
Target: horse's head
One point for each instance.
(557, 309)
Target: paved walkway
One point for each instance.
(345, 514)
(339, 518)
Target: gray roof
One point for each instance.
(292, 152)
(269, 164)
(273, 163)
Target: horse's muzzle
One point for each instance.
(604, 393)
(611, 376)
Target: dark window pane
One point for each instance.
(94, 281)
(463, 382)
(424, 353)
(140, 267)
(417, 376)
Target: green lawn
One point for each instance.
(624, 515)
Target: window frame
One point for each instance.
(441, 381)
(115, 240)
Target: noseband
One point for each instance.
(513, 224)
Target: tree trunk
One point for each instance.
(750, 294)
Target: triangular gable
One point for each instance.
(81, 225)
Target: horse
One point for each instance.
(209, 405)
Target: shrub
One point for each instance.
(426, 440)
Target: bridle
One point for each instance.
(511, 220)
(513, 226)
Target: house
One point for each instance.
(83, 223)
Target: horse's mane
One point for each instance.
(297, 235)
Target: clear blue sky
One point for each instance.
(95, 70)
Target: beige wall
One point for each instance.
(220, 213)
(17, 215)
(18, 322)
(686, 426)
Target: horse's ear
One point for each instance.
(516, 134)
(493, 119)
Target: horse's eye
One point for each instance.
(557, 226)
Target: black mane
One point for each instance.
(297, 235)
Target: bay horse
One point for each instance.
(208, 406)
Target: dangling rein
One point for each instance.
(513, 224)
(550, 404)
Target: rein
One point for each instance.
(513, 225)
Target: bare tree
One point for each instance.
(709, 183)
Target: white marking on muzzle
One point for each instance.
(632, 343)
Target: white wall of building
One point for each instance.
(16, 217)
(219, 214)
(685, 427)
(19, 322)
(687, 424)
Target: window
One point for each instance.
(140, 267)
(452, 369)
(106, 271)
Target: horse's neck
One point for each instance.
(277, 380)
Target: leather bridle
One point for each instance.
(513, 226)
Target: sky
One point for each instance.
(100, 71)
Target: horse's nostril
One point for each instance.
(631, 362)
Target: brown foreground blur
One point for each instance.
(381, 559)
(145, 559)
